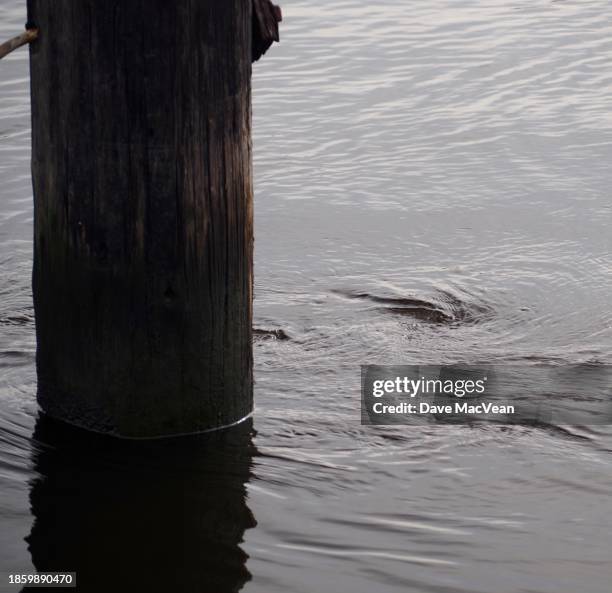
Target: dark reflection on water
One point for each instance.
(432, 185)
(167, 515)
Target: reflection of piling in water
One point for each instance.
(141, 130)
(158, 516)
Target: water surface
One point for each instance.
(452, 153)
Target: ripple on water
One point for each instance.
(445, 166)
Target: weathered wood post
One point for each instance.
(143, 247)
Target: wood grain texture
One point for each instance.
(141, 162)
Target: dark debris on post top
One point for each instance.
(266, 17)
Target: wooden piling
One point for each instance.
(143, 241)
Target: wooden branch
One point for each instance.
(266, 17)
(12, 44)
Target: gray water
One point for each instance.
(456, 152)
